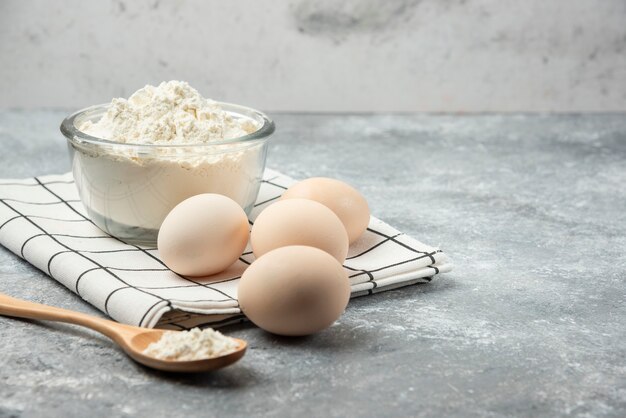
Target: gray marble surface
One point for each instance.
(532, 321)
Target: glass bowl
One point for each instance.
(128, 189)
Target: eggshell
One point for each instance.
(203, 235)
(299, 222)
(347, 203)
(294, 290)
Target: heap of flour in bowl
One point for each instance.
(163, 145)
(171, 113)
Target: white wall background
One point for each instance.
(321, 55)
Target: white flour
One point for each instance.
(191, 345)
(171, 113)
(129, 190)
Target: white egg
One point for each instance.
(203, 235)
(295, 290)
(299, 222)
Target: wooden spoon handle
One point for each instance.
(23, 309)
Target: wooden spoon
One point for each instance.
(133, 340)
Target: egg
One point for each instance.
(299, 222)
(203, 235)
(347, 203)
(295, 290)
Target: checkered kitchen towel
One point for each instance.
(43, 221)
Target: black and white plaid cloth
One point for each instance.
(43, 221)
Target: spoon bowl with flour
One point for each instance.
(171, 351)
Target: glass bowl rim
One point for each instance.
(75, 135)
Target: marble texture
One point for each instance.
(321, 55)
(532, 321)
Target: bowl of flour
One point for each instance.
(134, 159)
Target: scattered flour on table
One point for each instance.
(171, 113)
(191, 345)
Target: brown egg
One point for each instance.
(203, 235)
(299, 222)
(294, 290)
(347, 203)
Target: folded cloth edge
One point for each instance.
(360, 286)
